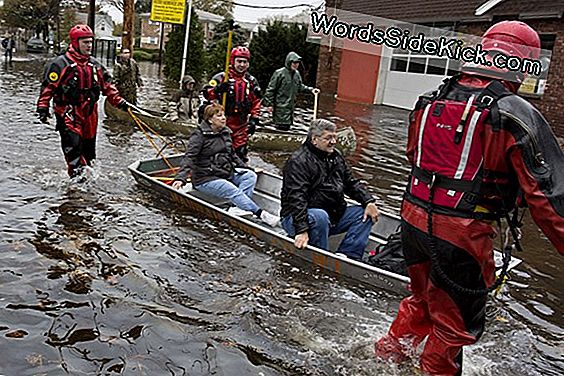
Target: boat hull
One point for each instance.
(328, 261)
(266, 138)
(267, 192)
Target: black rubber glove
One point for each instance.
(124, 106)
(222, 88)
(44, 114)
(252, 126)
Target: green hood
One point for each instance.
(292, 56)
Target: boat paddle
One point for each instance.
(227, 58)
(315, 101)
(140, 110)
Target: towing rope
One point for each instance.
(144, 127)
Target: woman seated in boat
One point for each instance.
(215, 168)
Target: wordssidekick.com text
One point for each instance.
(441, 46)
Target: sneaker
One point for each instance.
(186, 187)
(238, 212)
(270, 219)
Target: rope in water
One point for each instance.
(144, 127)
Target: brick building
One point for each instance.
(395, 78)
(151, 32)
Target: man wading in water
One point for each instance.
(75, 81)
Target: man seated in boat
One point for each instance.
(316, 179)
(217, 170)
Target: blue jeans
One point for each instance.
(239, 190)
(320, 229)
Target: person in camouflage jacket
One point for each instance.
(127, 77)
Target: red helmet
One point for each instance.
(239, 51)
(79, 31)
(513, 38)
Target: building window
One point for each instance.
(406, 61)
(417, 64)
(436, 66)
(454, 67)
(399, 64)
(422, 64)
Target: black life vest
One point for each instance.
(69, 90)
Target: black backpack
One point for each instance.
(389, 256)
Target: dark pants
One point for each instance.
(8, 54)
(447, 317)
(320, 228)
(78, 152)
(242, 152)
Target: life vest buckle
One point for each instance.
(487, 100)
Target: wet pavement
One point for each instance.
(106, 278)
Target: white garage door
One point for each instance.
(409, 76)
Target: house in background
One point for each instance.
(208, 21)
(104, 24)
(397, 77)
(105, 44)
(252, 27)
(151, 32)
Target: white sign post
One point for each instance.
(186, 38)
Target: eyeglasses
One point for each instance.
(328, 138)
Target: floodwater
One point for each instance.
(105, 278)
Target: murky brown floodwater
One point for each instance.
(106, 278)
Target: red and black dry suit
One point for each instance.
(74, 82)
(516, 149)
(243, 101)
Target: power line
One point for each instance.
(277, 7)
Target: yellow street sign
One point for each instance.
(171, 11)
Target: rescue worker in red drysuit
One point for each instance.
(75, 81)
(474, 147)
(244, 95)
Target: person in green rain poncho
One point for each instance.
(284, 85)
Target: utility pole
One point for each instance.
(57, 44)
(92, 15)
(128, 36)
(186, 38)
(161, 42)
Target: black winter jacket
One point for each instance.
(209, 156)
(313, 178)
